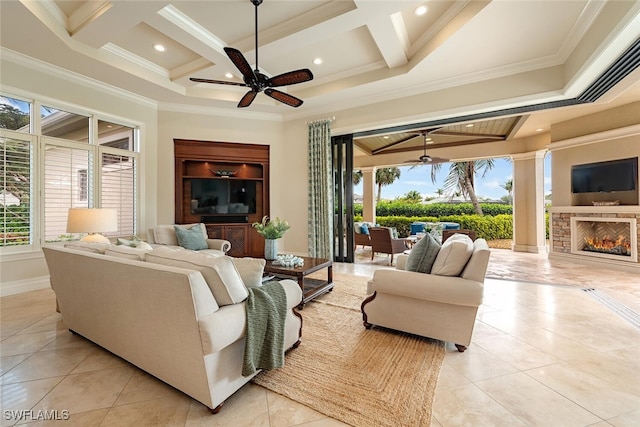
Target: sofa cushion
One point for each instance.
(251, 270)
(219, 272)
(127, 252)
(423, 255)
(93, 247)
(165, 234)
(453, 256)
(191, 238)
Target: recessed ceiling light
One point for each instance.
(429, 141)
(159, 47)
(386, 137)
(420, 10)
(539, 130)
(228, 75)
(470, 125)
(317, 61)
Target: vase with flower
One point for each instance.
(271, 230)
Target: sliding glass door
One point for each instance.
(342, 160)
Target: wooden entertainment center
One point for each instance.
(226, 187)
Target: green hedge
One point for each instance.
(486, 227)
(398, 208)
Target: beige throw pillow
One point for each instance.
(251, 270)
(220, 273)
(453, 256)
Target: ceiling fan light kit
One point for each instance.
(426, 159)
(258, 82)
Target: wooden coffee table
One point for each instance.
(311, 288)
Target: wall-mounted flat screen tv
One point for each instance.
(614, 175)
(223, 196)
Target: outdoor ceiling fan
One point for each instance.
(426, 159)
(257, 81)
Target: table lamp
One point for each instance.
(92, 221)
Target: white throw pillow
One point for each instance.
(219, 272)
(94, 247)
(127, 252)
(251, 270)
(453, 256)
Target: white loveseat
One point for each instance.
(161, 318)
(429, 305)
(164, 234)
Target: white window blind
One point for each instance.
(16, 173)
(63, 187)
(118, 190)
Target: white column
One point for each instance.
(369, 194)
(528, 202)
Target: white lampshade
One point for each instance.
(92, 221)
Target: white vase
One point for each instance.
(270, 249)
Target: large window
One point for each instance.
(71, 159)
(16, 170)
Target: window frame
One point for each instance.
(38, 144)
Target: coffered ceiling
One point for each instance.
(462, 57)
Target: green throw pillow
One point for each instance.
(191, 238)
(423, 254)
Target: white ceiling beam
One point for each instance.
(96, 27)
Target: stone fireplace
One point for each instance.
(596, 234)
(609, 238)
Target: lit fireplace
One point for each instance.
(607, 245)
(592, 236)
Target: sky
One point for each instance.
(419, 179)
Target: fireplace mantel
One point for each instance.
(595, 209)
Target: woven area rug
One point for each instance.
(374, 377)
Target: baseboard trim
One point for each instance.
(24, 285)
(530, 249)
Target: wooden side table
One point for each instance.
(311, 288)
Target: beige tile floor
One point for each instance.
(542, 354)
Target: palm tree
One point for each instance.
(508, 185)
(356, 177)
(440, 192)
(386, 176)
(412, 197)
(461, 177)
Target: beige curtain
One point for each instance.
(320, 218)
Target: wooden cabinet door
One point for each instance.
(238, 237)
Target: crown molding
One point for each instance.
(70, 76)
(219, 112)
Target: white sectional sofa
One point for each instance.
(163, 319)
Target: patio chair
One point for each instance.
(448, 233)
(382, 241)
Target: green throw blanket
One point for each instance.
(264, 341)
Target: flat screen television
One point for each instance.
(605, 177)
(223, 196)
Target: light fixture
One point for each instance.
(420, 10)
(159, 47)
(228, 75)
(92, 221)
(429, 141)
(470, 125)
(386, 137)
(539, 130)
(317, 61)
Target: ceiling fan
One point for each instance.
(426, 159)
(257, 81)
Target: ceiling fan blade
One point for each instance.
(241, 63)
(218, 82)
(285, 98)
(247, 99)
(290, 78)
